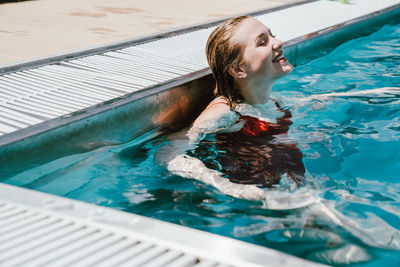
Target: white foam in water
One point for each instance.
(347, 254)
(285, 200)
(372, 230)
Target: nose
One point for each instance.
(277, 45)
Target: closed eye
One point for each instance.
(262, 41)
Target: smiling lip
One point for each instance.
(279, 57)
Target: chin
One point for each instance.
(287, 67)
(284, 71)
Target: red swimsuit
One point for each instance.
(255, 127)
(251, 155)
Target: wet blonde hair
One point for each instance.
(222, 54)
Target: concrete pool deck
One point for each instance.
(122, 231)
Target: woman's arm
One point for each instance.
(189, 167)
(215, 118)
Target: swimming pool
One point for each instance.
(350, 147)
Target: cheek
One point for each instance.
(264, 57)
(257, 60)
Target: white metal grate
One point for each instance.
(38, 229)
(34, 238)
(32, 96)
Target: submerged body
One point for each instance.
(257, 152)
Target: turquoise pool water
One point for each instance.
(351, 154)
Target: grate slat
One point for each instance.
(36, 108)
(125, 255)
(89, 249)
(128, 254)
(21, 253)
(101, 257)
(13, 123)
(22, 116)
(5, 207)
(78, 83)
(29, 220)
(25, 115)
(14, 217)
(21, 243)
(183, 261)
(7, 128)
(74, 88)
(163, 259)
(140, 81)
(127, 66)
(145, 256)
(9, 211)
(121, 83)
(207, 263)
(66, 246)
(57, 238)
(141, 64)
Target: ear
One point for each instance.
(237, 71)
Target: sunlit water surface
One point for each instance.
(351, 153)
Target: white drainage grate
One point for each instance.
(38, 229)
(32, 96)
(34, 238)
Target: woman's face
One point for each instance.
(262, 52)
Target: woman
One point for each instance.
(245, 59)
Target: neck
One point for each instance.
(256, 92)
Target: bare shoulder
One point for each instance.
(217, 109)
